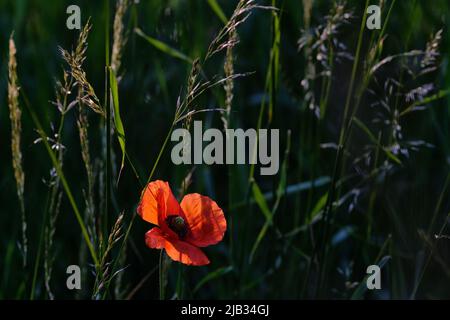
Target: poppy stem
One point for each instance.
(162, 275)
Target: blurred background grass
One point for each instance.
(149, 89)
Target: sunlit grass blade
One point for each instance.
(317, 208)
(261, 201)
(218, 10)
(119, 129)
(163, 47)
(274, 60)
(262, 204)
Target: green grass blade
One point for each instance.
(434, 97)
(366, 130)
(281, 189)
(317, 208)
(374, 140)
(261, 235)
(290, 190)
(262, 204)
(120, 131)
(218, 10)
(274, 60)
(213, 275)
(269, 90)
(163, 47)
(261, 201)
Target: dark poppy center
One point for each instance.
(177, 224)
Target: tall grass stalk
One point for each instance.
(372, 58)
(105, 273)
(331, 193)
(226, 119)
(64, 182)
(62, 92)
(119, 36)
(119, 42)
(15, 115)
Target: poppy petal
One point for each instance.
(205, 219)
(185, 253)
(155, 239)
(177, 250)
(157, 203)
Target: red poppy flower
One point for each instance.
(181, 229)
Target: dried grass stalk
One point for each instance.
(307, 8)
(83, 126)
(75, 60)
(104, 274)
(229, 83)
(15, 115)
(50, 230)
(119, 36)
(240, 14)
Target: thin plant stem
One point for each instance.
(162, 276)
(339, 154)
(64, 182)
(430, 229)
